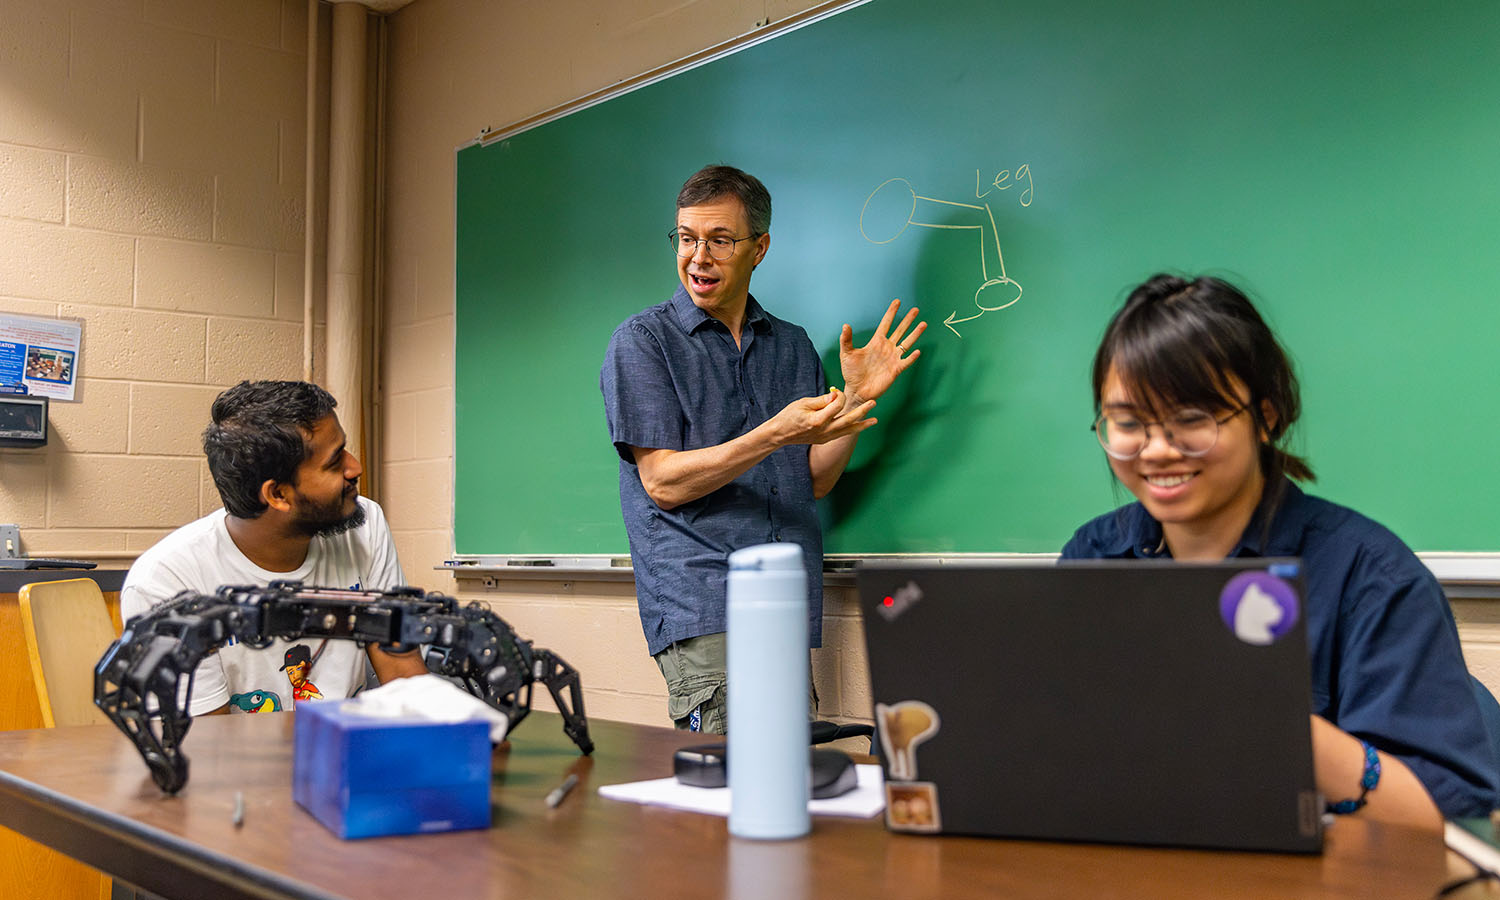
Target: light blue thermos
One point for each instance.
(768, 755)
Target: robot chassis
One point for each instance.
(137, 682)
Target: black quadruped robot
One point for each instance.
(139, 683)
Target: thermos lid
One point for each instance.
(766, 557)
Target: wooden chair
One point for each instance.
(67, 628)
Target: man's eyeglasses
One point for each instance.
(718, 247)
(1192, 432)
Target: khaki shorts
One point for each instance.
(694, 670)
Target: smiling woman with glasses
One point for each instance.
(1192, 432)
(1194, 400)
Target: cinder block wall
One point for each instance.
(151, 184)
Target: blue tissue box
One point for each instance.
(364, 776)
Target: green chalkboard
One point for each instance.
(1340, 160)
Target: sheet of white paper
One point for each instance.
(866, 800)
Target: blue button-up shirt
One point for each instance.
(1385, 656)
(673, 379)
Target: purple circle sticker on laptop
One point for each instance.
(1258, 607)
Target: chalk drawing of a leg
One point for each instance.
(895, 205)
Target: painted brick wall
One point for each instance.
(151, 184)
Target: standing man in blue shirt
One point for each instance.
(727, 433)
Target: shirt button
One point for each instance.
(775, 489)
(778, 537)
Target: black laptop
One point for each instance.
(1143, 702)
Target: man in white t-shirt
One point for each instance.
(292, 512)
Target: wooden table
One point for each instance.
(85, 791)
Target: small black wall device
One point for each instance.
(23, 421)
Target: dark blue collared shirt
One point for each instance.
(1386, 663)
(673, 379)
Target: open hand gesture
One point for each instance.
(870, 370)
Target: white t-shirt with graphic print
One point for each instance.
(201, 556)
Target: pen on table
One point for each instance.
(561, 791)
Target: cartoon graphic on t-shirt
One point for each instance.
(256, 702)
(297, 666)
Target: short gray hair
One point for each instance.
(713, 182)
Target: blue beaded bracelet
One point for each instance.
(1367, 782)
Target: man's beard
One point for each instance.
(327, 520)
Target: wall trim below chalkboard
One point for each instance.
(1461, 574)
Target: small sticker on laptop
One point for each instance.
(1258, 607)
(912, 806)
(903, 726)
(893, 605)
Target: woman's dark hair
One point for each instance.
(712, 182)
(1182, 343)
(259, 433)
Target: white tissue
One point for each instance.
(429, 698)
